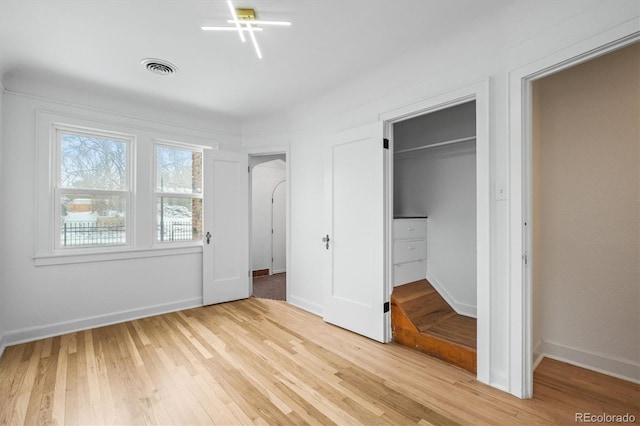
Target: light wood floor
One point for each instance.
(265, 362)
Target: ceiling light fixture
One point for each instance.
(259, 22)
(241, 29)
(244, 20)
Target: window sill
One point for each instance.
(84, 257)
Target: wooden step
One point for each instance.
(422, 319)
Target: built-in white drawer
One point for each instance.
(409, 250)
(404, 273)
(409, 228)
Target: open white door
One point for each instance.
(225, 261)
(355, 291)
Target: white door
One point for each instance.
(225, 261)
(355, 290)
(278, 226)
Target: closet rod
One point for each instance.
(433, 145)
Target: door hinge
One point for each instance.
(248, 169)
(385, 308)
(385, 143)
(525, 258)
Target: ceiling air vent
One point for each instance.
(158, 66)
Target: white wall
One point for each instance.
(264, 178)
(440, 183)
(48, 300)
(518, 36)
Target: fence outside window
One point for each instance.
(175, 230)
(83, 234)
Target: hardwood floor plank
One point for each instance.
(60, 387)
(265, 362)
(24, 394)
(45, 412)
(137, 325)
(71, 394)
(9, 384)
(95, 396)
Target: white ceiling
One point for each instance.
(101, 43)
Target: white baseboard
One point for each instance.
(460, 308)
(305, 305)
(538, 356)
(42, 332)
(598, 362)
(2, 345)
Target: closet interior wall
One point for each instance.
(440, 182)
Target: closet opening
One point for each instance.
(268, 226)
(434, 234)
(584, 216)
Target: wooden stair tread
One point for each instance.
(433, 320)
(412, 290)
(432, 311)
(456, 329)
(423, 320)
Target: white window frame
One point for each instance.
(157, 194)
(143, 135)
(128, 192)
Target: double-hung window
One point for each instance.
(93, 190)
(178, 193)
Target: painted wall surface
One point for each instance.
(518, 36)
(264, 178)
(586, 222)
(42, 300)
(440, 183)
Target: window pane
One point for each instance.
(178, 170)
(92, 220)
(91, 162)
(179, 219)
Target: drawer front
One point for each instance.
(404, 273)
(409, 250)
(409, 228)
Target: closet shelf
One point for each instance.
(433, 145)
(410, 217)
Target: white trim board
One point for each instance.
(2, 345)
(42, 332)
(598, 362)
(304, 304)
(459, 307)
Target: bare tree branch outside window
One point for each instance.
(93, 163)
